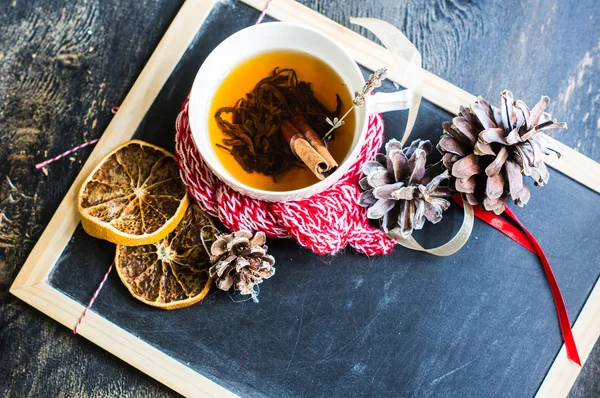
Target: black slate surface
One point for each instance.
(479, 323)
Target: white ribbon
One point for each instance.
(408, 60)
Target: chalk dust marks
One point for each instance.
(580, 94)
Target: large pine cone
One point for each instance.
(402, 190)
(240, 259)
(488, 150)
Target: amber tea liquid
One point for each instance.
(325, 82)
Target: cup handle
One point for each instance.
(386, 102)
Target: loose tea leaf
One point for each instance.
(252, 124)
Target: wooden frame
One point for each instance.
(31, 283)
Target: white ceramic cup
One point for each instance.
(270, 36)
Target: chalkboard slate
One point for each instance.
(479, 323)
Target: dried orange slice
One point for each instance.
(134, 196)
(171, 273)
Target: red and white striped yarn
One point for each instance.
(263, 13)
(62, 155)
(325, 223)
(94, 297)
(45, 163)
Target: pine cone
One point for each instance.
(240, 258)
(401, 190)
(488, 150)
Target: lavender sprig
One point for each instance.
(372, 83)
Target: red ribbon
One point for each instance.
(526, 239)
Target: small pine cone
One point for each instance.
(401, 190)
(240, 259)
(489, 150)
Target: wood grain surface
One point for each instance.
(64, 64)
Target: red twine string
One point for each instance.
(62, 155)
(93, 299)
(527, 240)
(45, 163)
(263, 13)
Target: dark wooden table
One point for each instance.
(64, 64)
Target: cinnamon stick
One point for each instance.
(301, 148)
(314, 140)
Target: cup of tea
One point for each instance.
(243, 111)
